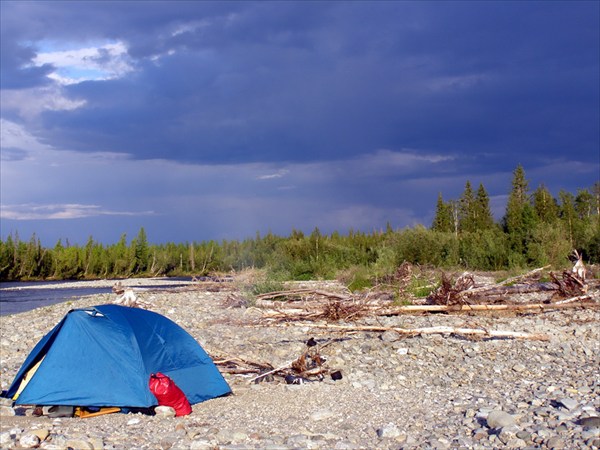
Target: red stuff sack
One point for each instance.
(168, 394)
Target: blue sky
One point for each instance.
(218, 120)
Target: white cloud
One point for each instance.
(190, 27)
(103, 62)
(33, 211)
(13, 135)
(29, 103)
(279, 174)
(389, 163)
(459, 82)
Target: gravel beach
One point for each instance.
(429, 391)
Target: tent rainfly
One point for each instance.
(104, 356)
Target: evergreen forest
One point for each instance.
(537, 230)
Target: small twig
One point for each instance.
(286, 366)
(300, 292)
(572, 300)
(525, 275)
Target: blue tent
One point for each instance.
(104, 355)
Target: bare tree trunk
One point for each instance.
(192, 258)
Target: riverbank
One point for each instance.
(107, 283)
(17, 297)
(427, 391)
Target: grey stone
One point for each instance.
(299, 441)
(6, 411)
(524, 435)
(587, 434)
(390, 430)
(555, 443)
(589, 423)
(134, 421)
(508, 433)
(568, 403)
(202, 444)
(164, 411)
(499, 419)
(5, 439)
(29, 440)
(516, 443)
(519, 368)
(321, 414)
(439, 444)
(593, 442)
(390, 336)
(345, 445)
(231, 436)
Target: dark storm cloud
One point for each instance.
(15, 69)
(299, 81)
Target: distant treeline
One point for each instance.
(537, 229)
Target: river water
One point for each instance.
(17, 297)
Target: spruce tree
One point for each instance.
(568, 214)
(544, 204)
(483, 214)
(141, 252)
(519, 218)
(443, 216)
(467, 210)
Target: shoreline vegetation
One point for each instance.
(536, 230)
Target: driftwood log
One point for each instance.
(127, 297)
(411, 332)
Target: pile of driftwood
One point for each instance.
(522, 293)
(309, 366)
(451, 296)
(338, 312)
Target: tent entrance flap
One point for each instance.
(28, 376)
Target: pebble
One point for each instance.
(555, 443)
(499, 419)
(6, 411)
(589, 423)
(390, 430)
(29, 440)
(438, 392)
(322, 414)
(164, 411)
(79, 444)
(390, 336)
(568, 403)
